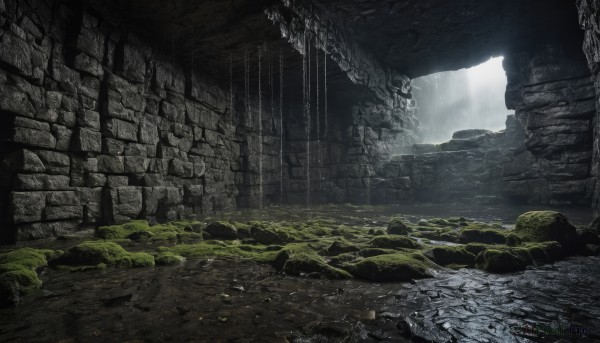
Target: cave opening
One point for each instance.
(470, 98)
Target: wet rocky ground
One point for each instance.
(222, 300)
(235, 300)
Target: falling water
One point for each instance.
(307, 52)
(326, 114)
(318, 122)
(304, 87)
(247, 85)
(280, 127)
(368, 185)
(231, 109)
(260, 145)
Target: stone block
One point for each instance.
(87, 140)
(120, 129)
(63, 212)
(39, 182)
(31, 137)
(111, 164)
(63, 137)
(62, 198)
(148, 133)
(89, 119)
(136, 164)
(117, 181)
(126, 203)
(27, 206)
(181, 168)
(96, 180)
(45, 229)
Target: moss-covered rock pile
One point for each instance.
(403, 249)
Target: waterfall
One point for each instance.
(318, 122)
(304, 102)
(231, 109)
(260, 143)
(326, 114)
(308, 122)
(247, 85)
(280, 127)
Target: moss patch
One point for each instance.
(499, 261)
(397, 227)
(481, 233)
(392, 267)
(455, 256)
(544, 226)
(301, 258)
(18, 275)
(168, 258)
(394, 242)
(93, 253)
(140, 230)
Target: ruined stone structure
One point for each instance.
(108, 114)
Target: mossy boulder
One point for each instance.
(545, 226)
(455, 256)
(168, 258)
(484, 234)
(18, 276)
(392, 267)
(499, 261)
(93, 253)
(122, 231)
(268, 234)
(397, 227)
(394, 242)
(299, 258)
(341, 247)
(545, 252)
(221, 230)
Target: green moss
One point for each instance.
(259, 253)
(392, 267)
(300, 258)
(451, 255)
(18, 275)
(92, 253)
(221, 229)
(394, 242)
(340, 247)
(397, 227)
(499, 261)
(140, 230)
(481, 233)
(543, 226)
(168, 258)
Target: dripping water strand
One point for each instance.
(260, 145)
(231, 109)
(280, 127)
(318, 122)
(304, 87)
(308, 113)
(246, 85)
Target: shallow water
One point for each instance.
(218, 300)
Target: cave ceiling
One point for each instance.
(416, 37)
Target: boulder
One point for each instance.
(545, 226)
(222, 230)
(498, 261)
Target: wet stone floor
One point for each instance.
(233, 300)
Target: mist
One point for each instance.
(470, 98)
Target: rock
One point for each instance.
(93, 253)
(595, 226)
(470, 133)
(498, 261)
(451, 255)
(392, 267)
(397, 227)
(542, 226)
(341, 247)
(87, 140)
(265, 235)
(394, 242)
(221, 229)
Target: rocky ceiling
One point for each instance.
(420, 37)
(417, 37)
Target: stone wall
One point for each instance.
(372, 120)
(552, 93)
(589, 19)
(99, 127)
